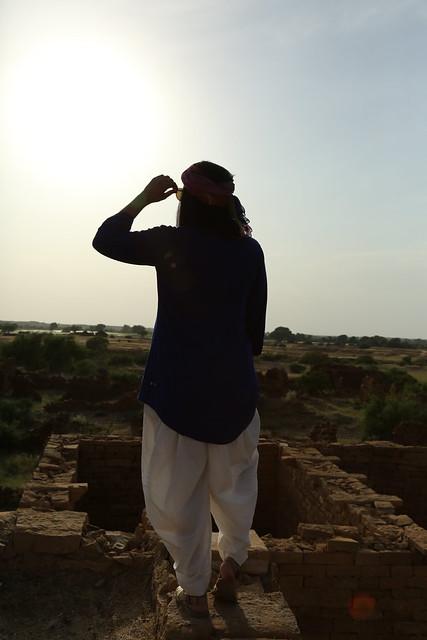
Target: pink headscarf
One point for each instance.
(216, 193)
(205, 189)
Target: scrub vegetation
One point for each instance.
(86, 380)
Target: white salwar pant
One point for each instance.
(184, 481)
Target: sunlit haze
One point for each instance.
(317, 108)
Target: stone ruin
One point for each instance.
(338, 546)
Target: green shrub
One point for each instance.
(365, 359)
(314, 357)
(402, 380)
(27, 349)
(15, 422)
(315, 381)
(44, 350)
(16, 468)
(382, 415)
(97, 344)
(121, 359)
(296, 367)
(86, 367)
(60, 352)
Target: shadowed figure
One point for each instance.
(201, 424)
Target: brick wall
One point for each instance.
(354, 595)
(348, 565)
(390, 468)
(112, 468)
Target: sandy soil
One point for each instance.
(70, 606)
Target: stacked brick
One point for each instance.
(111, 466)
(54, 483)
(388, 466)
(349, 567)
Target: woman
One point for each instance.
(199, 389)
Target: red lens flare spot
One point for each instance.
(362, 606)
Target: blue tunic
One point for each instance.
(212, 297)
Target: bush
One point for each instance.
(44, 350)
(85, 367)
(314, 382)
(121, 359)
(97, 344)
(314, 358)
(27, 349)
(61, 352)
(365, 359)
(295, 367)
(382, 415)
(15, 422)
(16, 469)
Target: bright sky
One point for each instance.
(317, 106)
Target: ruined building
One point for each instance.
(339, 540)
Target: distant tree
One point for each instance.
(126, 328)
(8, 327)
(97, 327)
(75, 327)
(341, 339)
(27, 349)
(140, 330)
(97, 344)
(60, 352)
(280, 334)
(395, 342)
(53, 326)
(44, 350)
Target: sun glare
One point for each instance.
(78, 110)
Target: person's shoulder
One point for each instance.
(254, 246)
(161, 231)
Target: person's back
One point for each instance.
(212, 294)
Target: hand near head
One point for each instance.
(159, 188)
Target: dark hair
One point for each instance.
(218, 220)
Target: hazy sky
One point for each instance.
(317, 106)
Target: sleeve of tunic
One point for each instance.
(256, 307)
(115, 240)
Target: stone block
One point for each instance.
(339, 543)
(417, 538)
(315, 531)
(258, 554)
(384, 507)
(55, 532)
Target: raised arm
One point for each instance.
(114, 238)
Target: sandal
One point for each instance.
(226, 586)
(191, 604)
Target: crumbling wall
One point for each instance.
(354, 568)
(348, 593)
(390, 468)
(111, 466)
